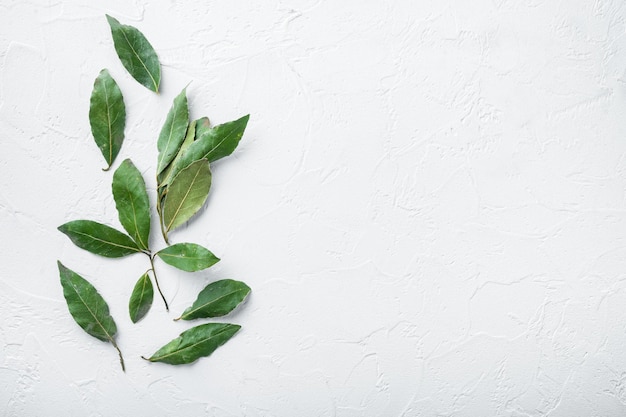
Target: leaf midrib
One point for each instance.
(109, 124)
(185, 257)
(105, 241)
(209, 303)
(192, 345)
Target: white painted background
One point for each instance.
(429, 204)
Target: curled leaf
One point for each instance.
(195, 343)
(141, 298)
(88, 308)
(99, 238)
(136, 54)
(186, 194)
(107, 116)
(217, 299)
(189, 257)
(203, 124)
(131, 201)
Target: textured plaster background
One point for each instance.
(429, 204)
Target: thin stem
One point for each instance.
(119, 353)
(160, 213)
(163, 232)
(167, 307)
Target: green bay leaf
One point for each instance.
(107, 116)
(222, 140)
(136, 54)
(173, 131)
(88, 308)
(189, 257)
(98, 238)
(131, 201)
(195, 343)
(141, 298)
(217, 299)
(186, 194)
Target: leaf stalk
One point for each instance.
(119, 352)
(156, 280)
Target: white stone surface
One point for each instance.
(429, 204)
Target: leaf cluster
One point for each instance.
(186, 150)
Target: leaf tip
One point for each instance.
(112, 21)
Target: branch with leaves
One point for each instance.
(186, 150)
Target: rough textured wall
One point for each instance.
(429, 204)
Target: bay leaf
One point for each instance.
(217, 299)
(214, 143)
(136, 54)
(131, 201)
(98, 238)
(195, 343)
(88, 308)
(107, 116)
(222, 140)
(186, 194)
(141, 298)
(173, 131)
(189, 257)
